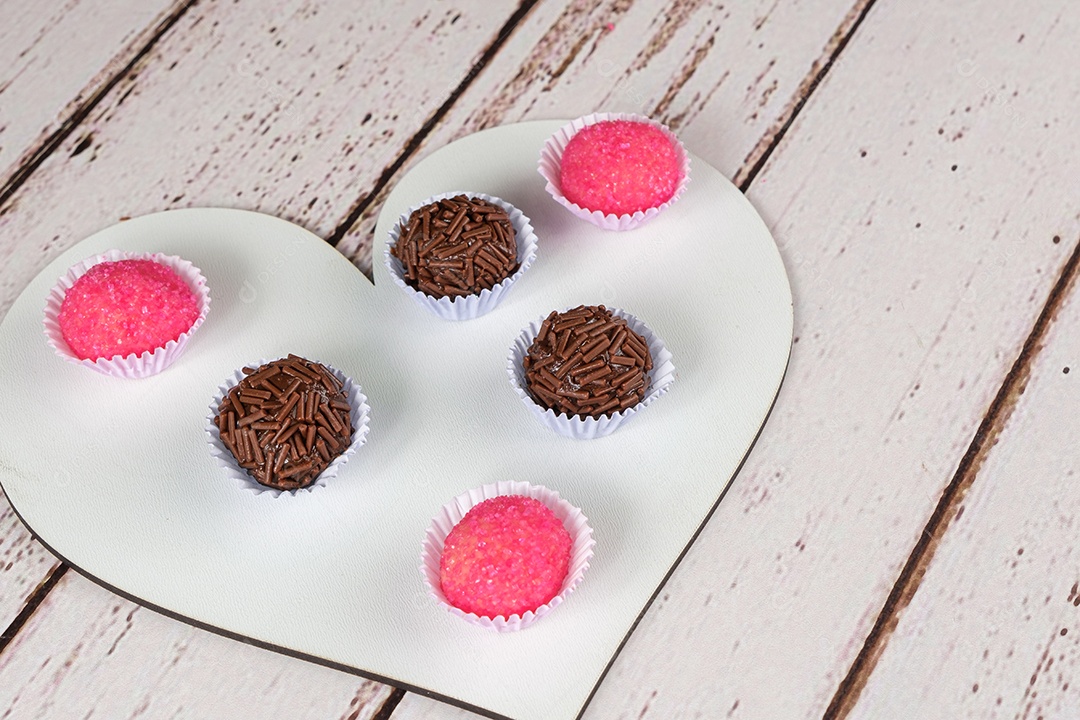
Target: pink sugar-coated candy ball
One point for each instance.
(619, 167)
(125, 307)
(507, 556)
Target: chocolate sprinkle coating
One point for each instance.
(457, 246)
(587, 362)
(285, 422)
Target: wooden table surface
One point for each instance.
(902, 542)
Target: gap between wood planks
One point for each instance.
(35, 156)
(743, 178)
(31, 605)
(389, 705)
(414, 142)
(772, 138)
(986, 436)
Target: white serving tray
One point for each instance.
(116, 478)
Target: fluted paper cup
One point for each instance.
(359, 414)
(579, 427)
(551, 160)
(575, 522)
(466, 307)
(129, 366)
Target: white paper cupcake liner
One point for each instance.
(661, 378)
(360, 414)
(130, 366)
(466, 307)
(575, 522)
(551, 159)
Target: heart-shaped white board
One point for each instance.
(115, 475)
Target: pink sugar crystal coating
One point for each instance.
(125, 307)
(508, 555)
(619, 167)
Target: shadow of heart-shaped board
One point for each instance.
(115, 475)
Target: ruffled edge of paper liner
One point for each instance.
(359, 410)
(661, 378)
(572, 518)
(466, 307)
(551, 159)
(129, 366)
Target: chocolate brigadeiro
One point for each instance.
(285, 422)
(587, 362)
(457, 246)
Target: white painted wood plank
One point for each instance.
(418, 707)
(993, 630)
(24, 563)
(54, 54)
(88, 653)
(291, 108)
(915, 201)
(723, 75)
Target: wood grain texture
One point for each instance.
(88, 653)
(54, 55)
(916, 200)
(418, 707)
(291, 109)
(992, 630)
(24, 564)
(987, 633)
(723, 75)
